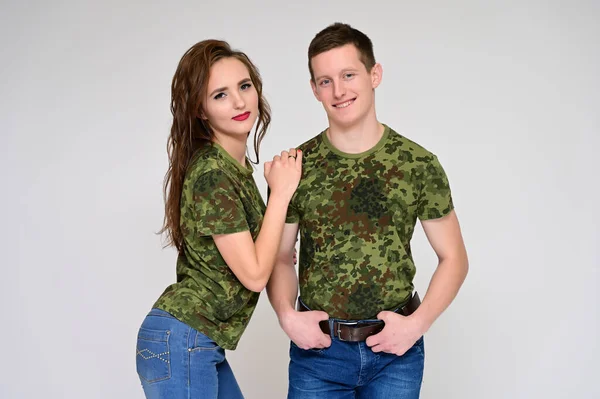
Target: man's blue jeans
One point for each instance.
(175, 361)
(352, 370)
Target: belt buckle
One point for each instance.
(344, 323)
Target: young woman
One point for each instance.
(214, 215)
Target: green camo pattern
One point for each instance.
(219, 197)
(356, 215)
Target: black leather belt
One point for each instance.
(359, 330)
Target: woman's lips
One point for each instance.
(242, 117)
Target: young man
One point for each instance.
(359, 325)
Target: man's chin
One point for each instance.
(346, 121)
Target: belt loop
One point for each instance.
(331, 331)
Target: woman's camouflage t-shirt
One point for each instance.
(219, 197)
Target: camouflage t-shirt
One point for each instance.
(356, 215)
(219, 197)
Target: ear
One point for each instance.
(314, 90)
(376, 75)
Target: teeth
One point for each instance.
(344, 105)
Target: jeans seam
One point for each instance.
(360, 351)
(189, 360)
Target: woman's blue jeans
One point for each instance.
(175, 361)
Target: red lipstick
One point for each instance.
(242, 117)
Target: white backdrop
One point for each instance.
(506, 93)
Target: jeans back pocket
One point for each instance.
(153, 361)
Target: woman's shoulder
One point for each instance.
(204, 161)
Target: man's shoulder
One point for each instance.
(310, 146)
(406, 147)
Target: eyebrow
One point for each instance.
(225, 88)
(351, 69)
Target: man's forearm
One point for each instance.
(282, 287)
(444, 285)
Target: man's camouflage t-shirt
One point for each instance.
(356, 215)
(219, 197)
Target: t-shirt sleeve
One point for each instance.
(217, 207)
(292, 215)
(435, 198)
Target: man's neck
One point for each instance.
(357, 138)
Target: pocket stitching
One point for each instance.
(153, 334)
(141, 337)
(197, 347)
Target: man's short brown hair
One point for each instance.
(338, 35)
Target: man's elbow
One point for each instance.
(459, 261)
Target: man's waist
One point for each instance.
(354, 307)
(359, 329)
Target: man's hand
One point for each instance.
(398, 336)
(303, 328)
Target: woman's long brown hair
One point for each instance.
(188, 132)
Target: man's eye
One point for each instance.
(324, 82)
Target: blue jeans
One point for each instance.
(176, 361)
(352, 370)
